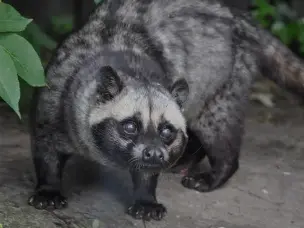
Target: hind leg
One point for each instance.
(219, 126)
(223, 157)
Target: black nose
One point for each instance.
(152, 155)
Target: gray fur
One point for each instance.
(152, 44)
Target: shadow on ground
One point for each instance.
(267, 191)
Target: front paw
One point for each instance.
(201, 182)
(147, 211)
(47, 198)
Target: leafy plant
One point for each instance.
(18, 58)
(282, 21)
(38, 38)
(62, 24)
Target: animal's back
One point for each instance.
(190, 39)
(196, 41)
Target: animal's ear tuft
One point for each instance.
(180, 91)
(110, 84)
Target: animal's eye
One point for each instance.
(130, 127)
(166, 133)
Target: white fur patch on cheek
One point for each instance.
(175, 117)
(164, 106)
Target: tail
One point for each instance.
(275, 60)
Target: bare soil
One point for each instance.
(266, 192)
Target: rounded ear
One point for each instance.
(109, 83)
(180, 91)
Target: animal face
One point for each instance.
(139, 125)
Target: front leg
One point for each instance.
(49, 164)
(145, 204)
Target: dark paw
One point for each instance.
(147, 211)
(43, 199)
(201, 182)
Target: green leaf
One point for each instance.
(265, 8)
(301, 32)
(286, 11)
(38, 38)
(263, 11)
(284, 35)
(302, 49)
(26, 60)
(62, 24)
(277, 26)
(301, 37)
(11, 20)
(9, 84)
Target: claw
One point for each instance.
(147, 211)
(45, 198)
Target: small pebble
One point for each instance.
(265, 191)
(287, 173)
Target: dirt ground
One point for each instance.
(266, 192)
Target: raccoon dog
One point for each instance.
(130, 85)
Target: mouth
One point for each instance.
(140, 165)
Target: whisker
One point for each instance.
(132, 160)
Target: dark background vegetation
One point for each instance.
(54, 19)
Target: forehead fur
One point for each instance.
(153, 106)
(126, 104)
(164, 107)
